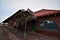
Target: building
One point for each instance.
(44, 21)
(18, 19)
(48, 22)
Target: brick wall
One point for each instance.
(11, 24)
(55, 19)
(47, 32)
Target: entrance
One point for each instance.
(33, 25)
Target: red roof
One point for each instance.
(44, 12)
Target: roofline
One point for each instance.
(10, 16)
(46, 10)
(34, 12)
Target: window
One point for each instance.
(48, 24)
(48, 21)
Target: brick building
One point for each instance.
(44, 21)
(48, 22)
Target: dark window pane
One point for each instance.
(48, 24)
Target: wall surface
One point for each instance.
(48, 32)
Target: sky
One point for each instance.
(9, 7)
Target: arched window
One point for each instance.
(48, 24)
